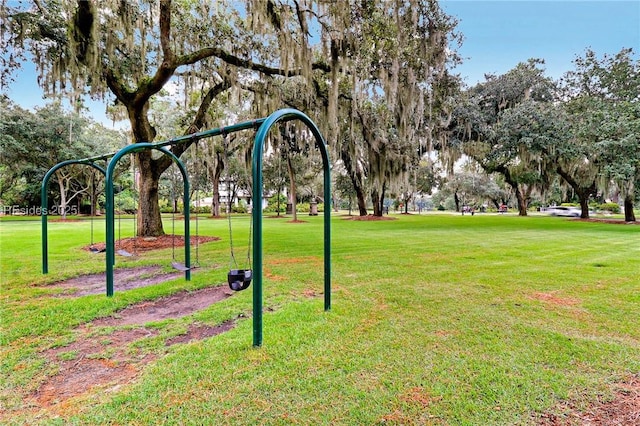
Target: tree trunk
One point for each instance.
(292, 188)
(63, 196)
(456, 199)
(584, 206)
(629, 216)
(521, 198)
(149, 219)
(378, 202)
(583, 192)
(522, 203)
(356, 180)
(362, 203)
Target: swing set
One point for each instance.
(238, 279)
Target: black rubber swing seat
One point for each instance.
(179, 266)
(97, 250)
(239, 279)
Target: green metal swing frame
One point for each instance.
(263, 126)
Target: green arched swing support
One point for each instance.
(263, 125)
(91, 162)
(44, 199)
(284, 115)
(110, 210)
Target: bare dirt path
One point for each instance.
(622, 410)
(124, 279)
(107, 361)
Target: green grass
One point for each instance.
(436, 319)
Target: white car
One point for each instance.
(564, 211)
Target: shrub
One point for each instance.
(240, 208)
(272, 207)
(610, 207)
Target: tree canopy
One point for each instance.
(376, 76)
(33, 142)
(386, 60)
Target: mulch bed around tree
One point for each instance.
(141, 244)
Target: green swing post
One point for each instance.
(284, 115)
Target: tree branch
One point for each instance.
(164, 162)
(148, 88)
(301, 20)
(230, 59)
(119, 90)
(165, 30)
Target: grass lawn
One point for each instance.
(436, 319)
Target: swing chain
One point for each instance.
(249, 242)
(197, 194)
(238, 279)
(91, 212)
(173, 222)
(225, 144)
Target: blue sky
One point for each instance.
(500, 34)
(497, 36)
(26, 93)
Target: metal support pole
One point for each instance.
(327, 226)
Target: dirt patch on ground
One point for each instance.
(199, 332)
(415, 398)
(369, 217)
(553, 299)
(175, 306)
(268, 273)
(123, 279)
(135, 245)
(623, 409)
(108, 360)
